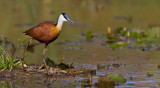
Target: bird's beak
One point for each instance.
(69, 20)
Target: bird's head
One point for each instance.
(65, 17)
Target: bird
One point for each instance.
(46, 32)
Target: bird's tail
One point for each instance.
(25, 32)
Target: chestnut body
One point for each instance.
(45, 32)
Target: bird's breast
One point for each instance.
(54, 31)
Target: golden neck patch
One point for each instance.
(54, 30)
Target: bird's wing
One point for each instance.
(40, 30)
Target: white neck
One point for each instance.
(61, 19)
(59, 24)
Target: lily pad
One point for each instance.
(51, 63)
(63, 66)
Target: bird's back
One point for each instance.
(45, 32)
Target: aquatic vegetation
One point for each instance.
(6, 61)
(51, 63)
(152, 35)
(131, 34)
(5, 85)
(111, 39)
(64, 66)
(61, 65)
(118, 79)
(117, 45)
(135, 35)
(123, 37)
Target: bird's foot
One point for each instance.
(46, 71)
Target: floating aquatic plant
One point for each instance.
(122, 37)
(152, 35)
(116, 45)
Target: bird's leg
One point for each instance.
(22, 59)
(43, 58)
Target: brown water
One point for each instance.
(94, 15)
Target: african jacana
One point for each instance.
(47, 32)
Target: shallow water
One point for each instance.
(92, 15)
